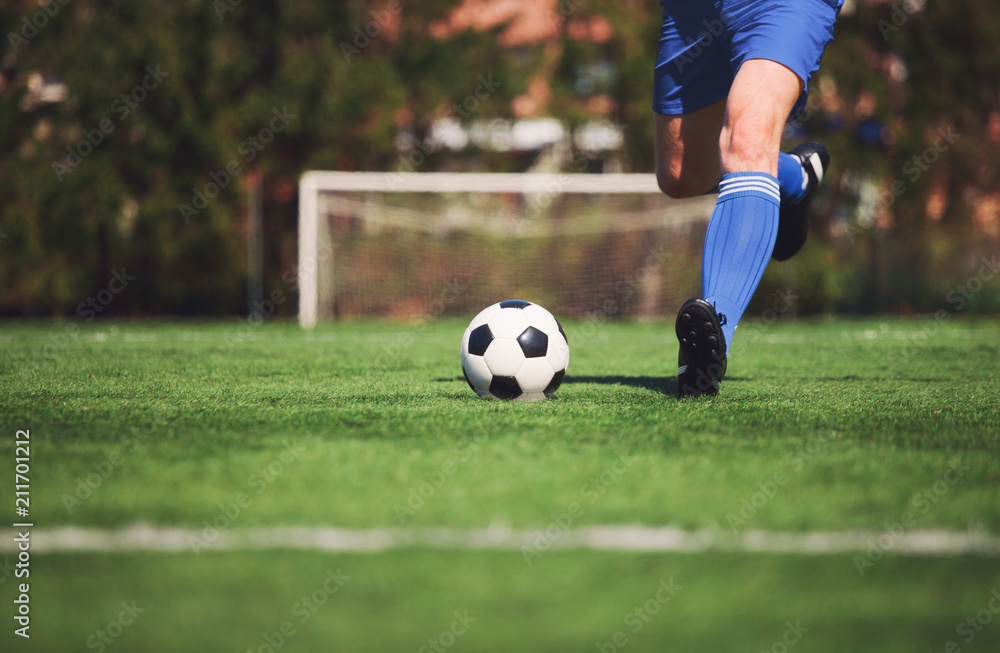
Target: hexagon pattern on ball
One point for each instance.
(514, 349)
(534, 343)
(480, 339)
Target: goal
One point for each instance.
(414, 246)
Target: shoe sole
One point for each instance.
(701, 339)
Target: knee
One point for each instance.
(680, 186)
(747, 145)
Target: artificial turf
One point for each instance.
(821, 425)
(338, 426)
(565, 601)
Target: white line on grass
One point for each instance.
(639, 539)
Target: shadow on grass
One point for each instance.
(662, 384)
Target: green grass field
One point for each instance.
(821, 426)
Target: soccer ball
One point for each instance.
(514, 350)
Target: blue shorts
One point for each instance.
(703, 43)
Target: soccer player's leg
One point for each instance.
(794, 35)
(687, 159)
(744, 224)
(692, 77)
(773, 69)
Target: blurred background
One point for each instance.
(143, 139)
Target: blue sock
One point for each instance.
(790, 177)
(738, 243)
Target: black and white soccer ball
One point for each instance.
(514, 350)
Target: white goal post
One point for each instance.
(323, 194)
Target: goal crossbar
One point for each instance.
(486, 182)
(541, 186)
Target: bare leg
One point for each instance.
(760, 100)
(687, 154)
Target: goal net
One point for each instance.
(415, 246)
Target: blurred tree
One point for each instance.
(127, 130)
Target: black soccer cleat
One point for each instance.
(793, 219)
(701, 362)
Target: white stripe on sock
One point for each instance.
(750, 184)
(771, 193)
(761, 178)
